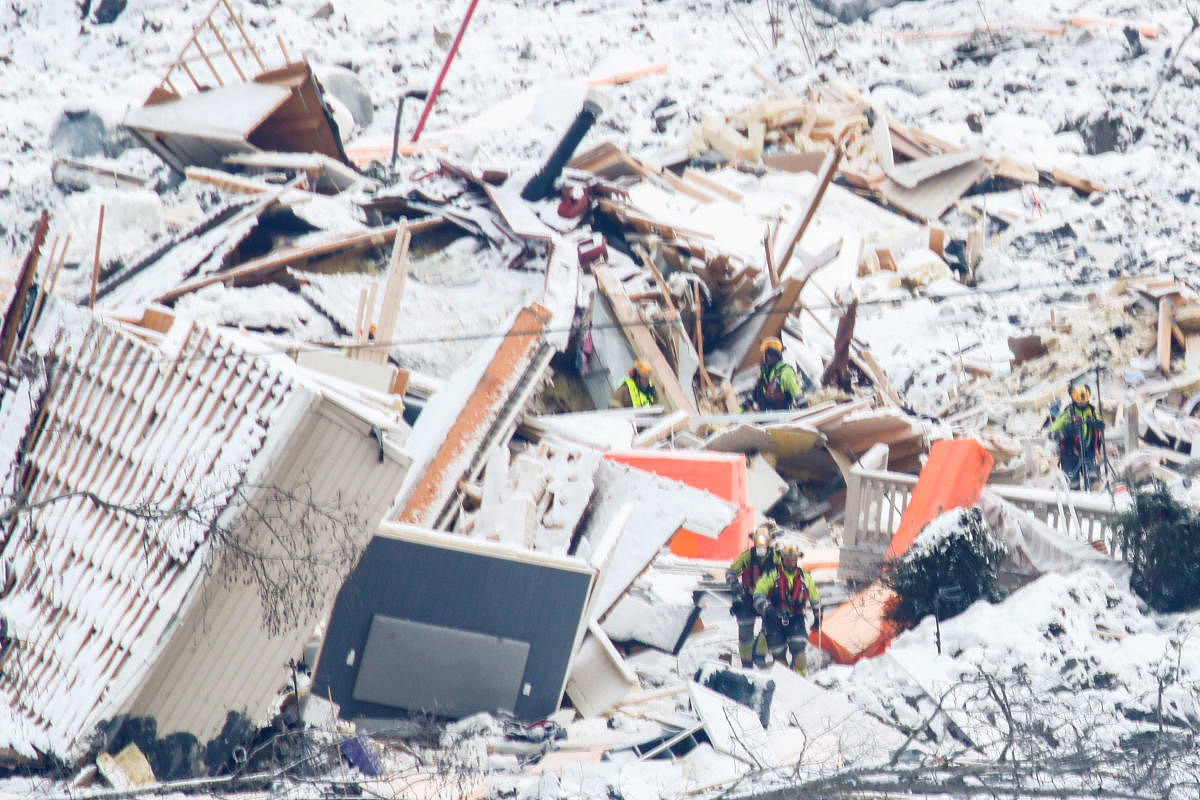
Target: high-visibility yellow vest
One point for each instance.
(638, 398)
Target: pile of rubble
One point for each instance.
(497, 541)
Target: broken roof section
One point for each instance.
(234, 103)
(178, 498)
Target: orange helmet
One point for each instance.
(640, 368)
(1081, 394)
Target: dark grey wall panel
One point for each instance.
(462, 589)
(452, 672)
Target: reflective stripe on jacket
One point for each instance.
(637, 397)
(780, 587)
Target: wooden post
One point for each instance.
(96, 259)
(393, 293)
(62, 258)
(1164, 335)
(705, 381)
(16, 307)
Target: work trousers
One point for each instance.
(751, 649)
(784, 639)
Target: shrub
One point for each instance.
(1160, 538)
(954, 554)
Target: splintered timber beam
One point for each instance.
(642, 341)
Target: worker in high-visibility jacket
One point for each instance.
(778, 387)
(637, 390)
(780, 597)
(742, 576)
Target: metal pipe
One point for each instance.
(542, 183)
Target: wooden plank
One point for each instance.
(393, 294)
(671, 424)
(1005, 167)
(517, 213)
(932, 197)
(698, 177)
(771, 320)
(227, 181)
(1076, 182)
(16, 304)
(1164, 335)
(685, 187)
(828, 170)
(291, 255)
(912, 174)
(642, 341)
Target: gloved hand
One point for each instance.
(767, 610)
(816, 622)
(733, 583)
(1100, 424)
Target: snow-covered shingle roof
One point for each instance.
(123, 454)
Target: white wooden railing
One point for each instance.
(876, 499)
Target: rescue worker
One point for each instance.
(1079, 432)
(778, 386)
(637, 390)
(743, 574)
(779, 597)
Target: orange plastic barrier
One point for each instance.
(953, 477)
(722, 474)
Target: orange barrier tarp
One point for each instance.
(953, 477)
(722, 474)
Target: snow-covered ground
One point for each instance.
(1087, 98)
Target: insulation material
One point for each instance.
(732, 728)
(724, 475)
(660, 508)
(764, 486)
(658, 610)
(599, 678)
(1035, 546)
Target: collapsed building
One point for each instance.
(168, 466)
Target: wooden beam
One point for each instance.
(828, 170)
(393, 294)
(96, 259)
(16, 306)
(1164, 335)
(641, 340)
(292, 255)
(771, 320)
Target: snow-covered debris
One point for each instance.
(1083, 670)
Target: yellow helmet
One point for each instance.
(788, 549)
(1081, 394)
(762, 536)
(771, 343)
(641, 368)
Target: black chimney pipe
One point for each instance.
(542, 184)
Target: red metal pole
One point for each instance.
(437, 86)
